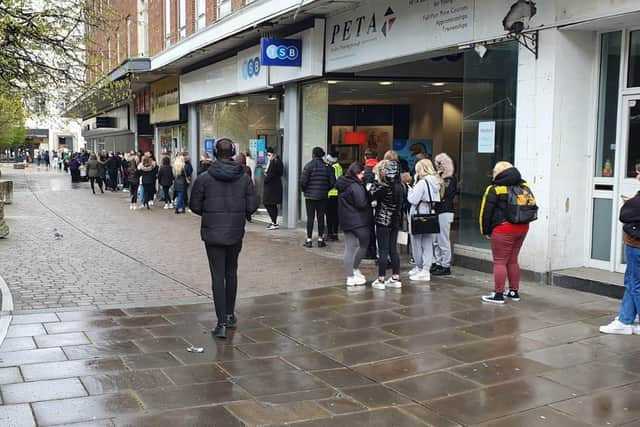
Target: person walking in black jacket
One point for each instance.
(223, 196)
(165, 179)
(272, 194)
(354, 213)
(148, 170)
(316, 181)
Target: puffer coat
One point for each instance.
(390, 195)
(317, 179)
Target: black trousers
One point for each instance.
(387, 246)
(332, 216)
(223, 264)
(93, 180)
(165, 190)
(272, 210)
(113, 178)
(149, 191)
(316, 208)
(133, 190)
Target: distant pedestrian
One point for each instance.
(240, 158)
(316, 180)
(165, 180)
(332, 200)
(355, 217)
(133, 174)
(389, 195)
(74, 169)
(148, 171)
(179, 185)
(506, 237)
(370, 162)
(205, 163)
(223, 197)
(446, 170)
(251, 164)
(93, 172)
(627, 321)
(272, 194)
(423, 197)
(188, 173)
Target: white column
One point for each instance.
(291, 154)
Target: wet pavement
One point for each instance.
(428, 354)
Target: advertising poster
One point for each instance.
(208, 146)
(406, 148)
(261, 150)
(486, 137)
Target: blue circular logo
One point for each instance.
(272, 51)
(251, 68)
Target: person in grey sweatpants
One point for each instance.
(444, 166)
(355, 219)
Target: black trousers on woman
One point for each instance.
(316, 208)
(93, 180)
(272, 210)
(223, 264)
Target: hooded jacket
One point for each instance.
(223, 197)
(424, 197)
(390, 195)
(272, 194)
(494, 201)
(353, 205)
(165, 176)
(317, 179)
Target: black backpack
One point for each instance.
(521, 205)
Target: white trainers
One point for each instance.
(392, 283)
(166, 206)
(617, 327)
(414, 271)
(358, 273)
(356, 281)
(377, 284)
(130, 207)
(422, 276)
(171, 206)
(273, 227)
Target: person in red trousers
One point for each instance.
(506, 238)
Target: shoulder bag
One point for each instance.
(425, 223)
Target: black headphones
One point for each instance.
(233, 147)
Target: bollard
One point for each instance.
(4, 228)
(6, 192)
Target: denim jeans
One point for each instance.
(179, 200)
(630, 305)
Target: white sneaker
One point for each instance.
(124, 190)
(171, 206)
(273, 227)
(377, 284)
(635, 329)
(392, 283)
(617, 327)
(150, 202)
(358, 273)
(422, 276)
(414, 271)
(130, 207)
(356, 281)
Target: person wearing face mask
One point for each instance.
(355, 217)
(626, 323)
(272, 192)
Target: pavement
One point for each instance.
(307, 351)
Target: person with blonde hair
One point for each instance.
(179, 184)
(506, 238)
(423, 197)
(446, 170)
(391, 155)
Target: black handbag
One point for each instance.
(425, 223)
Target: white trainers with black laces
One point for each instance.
(378, 284)
(392, 283)
(618, 328)
(512, 295)
(273, 227)
(356, 281)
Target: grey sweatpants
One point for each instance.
(355, 248)
(422, 247)
(443, 241)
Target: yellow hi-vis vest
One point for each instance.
(338, 170)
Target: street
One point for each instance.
(103, 317)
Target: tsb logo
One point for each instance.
(251, 68)
(282, 52)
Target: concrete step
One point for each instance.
(591, 280)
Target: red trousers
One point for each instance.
(505, 248)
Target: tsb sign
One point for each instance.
(281, 52)
(251, 68)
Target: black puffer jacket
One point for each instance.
(149, 173)
(494, 201)
(223, 196)
(317, 179)
(165, 176)
(450, 191)
(390, 196)
(353, 205)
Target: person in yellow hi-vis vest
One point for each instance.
(332, 204)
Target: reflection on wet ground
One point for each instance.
(421, 355)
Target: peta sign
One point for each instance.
(281, 52)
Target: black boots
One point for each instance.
(220, 331)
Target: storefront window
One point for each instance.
(605, 155)
(488, 136)
(634, 60)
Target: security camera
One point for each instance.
(519, 15)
